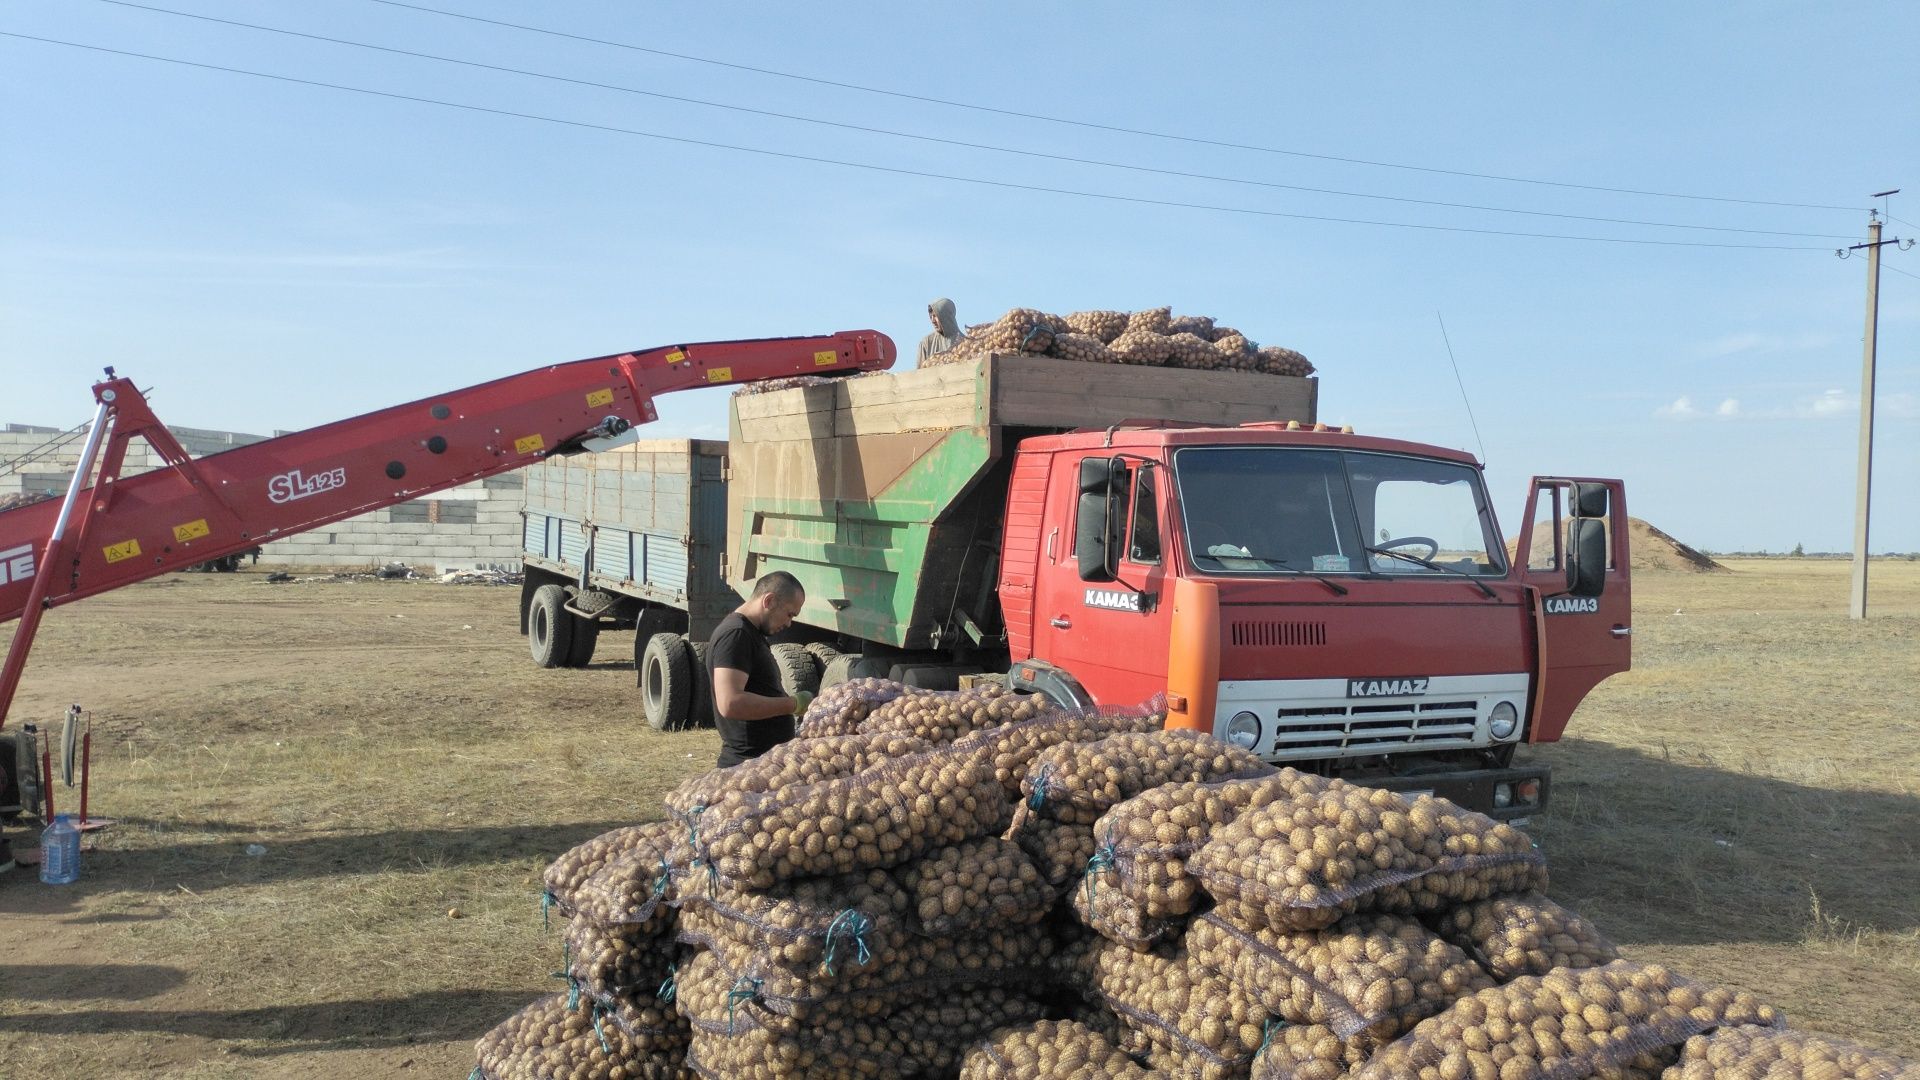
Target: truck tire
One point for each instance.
(586, 633)
(799, 672)
(700, 713)
(666, 682)
(932, 676)
(549, 627)
(822, 653)
(838, 671)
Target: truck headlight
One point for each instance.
(1504, 720)
(1243, 730)
(1503, 795)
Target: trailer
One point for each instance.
(1104, 534)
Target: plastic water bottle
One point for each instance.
(60, 852)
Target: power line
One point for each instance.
(1889, 266)
(897, 171)
(1095, 125)
(1902, 221)
(962, 143)
(1463, 386)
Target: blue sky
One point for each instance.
(273, 256)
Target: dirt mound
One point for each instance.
(1650, 548)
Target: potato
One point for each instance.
(1023, 330)
(1060, 850)
(840, 709)
(1367, 978)
(1587, 1022)
(1304, 864)
(1278, 361)
(1141, 347)
(1759, 1053)
(549, 1041)
(1102, 326)
(975, 885)
(1526, 934)
(1079, 782)
(1048, 1050)
(1011, 749)
(1306, 1052)
(793, 764)
(1081, 347)
(944, 716)
(812, 923)
(1192, 1021)
(1151, 321)
(1191, 351)
(654, 840)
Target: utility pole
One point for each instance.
(1863, 479)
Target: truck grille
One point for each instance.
(1263, 634)
(1374, 727)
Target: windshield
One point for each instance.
(1264, 510)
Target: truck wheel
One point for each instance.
(586, 633)
(822, 653)
(666, 682)
(839, 671)
(798, 671)
(700, 714)
(932, 676)
(549, 627)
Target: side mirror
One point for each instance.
(1099, 529)
(1589, 500)
(1586, 556)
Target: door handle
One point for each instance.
(1061, 622)
(1622, 631)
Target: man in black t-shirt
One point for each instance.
(751, 708)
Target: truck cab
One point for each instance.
(1331, 601)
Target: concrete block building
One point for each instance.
(474, 526)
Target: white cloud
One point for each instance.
(1681, 409)
(1831, 403)
(1729, 407)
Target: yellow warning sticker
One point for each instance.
(676, 356)
(719, 374)
(599, 398)
(192, 530)
(126, 549)
(822, 359)
(528, 445)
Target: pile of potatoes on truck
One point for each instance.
(978, 884)
(1155, 338)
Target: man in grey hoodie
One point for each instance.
(946, 331)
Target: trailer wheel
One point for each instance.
(700, 713)
(549, 627)
(798, 670)
(586, 633)
(822, 653)
(666, 682)
(839, 671)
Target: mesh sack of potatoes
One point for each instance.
(1082, 347)
(1078, 782)
(562, 1037)
(793, 763)
(1526, 934)
(1622, 1016)
(1200, 326)
(1275, 360)
(1760, 1053)
(1060, 850)
(1368, 978)
(1306, 1052)
(1115, 917)
(621, 935)
(1158, 321)
(883, 816)
(1141, 348)
(608, 962)
(970, 347)
(1192, 351)
(1304, 864)
(1023, 330)
(839, 710)
(944, 716)
(653, 841)
(1010, 750)
(1049, 1050)
(1189, 1020)
(821, 928)
(975, 885)
(1147, 839)
(1103, 326)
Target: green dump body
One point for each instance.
(885, 494)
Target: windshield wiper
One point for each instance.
(1392, 554)
(1338, 589)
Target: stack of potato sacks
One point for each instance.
(976, 884)
(1155, 338)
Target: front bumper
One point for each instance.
(1472, 789)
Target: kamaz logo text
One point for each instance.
(1386, 687)
(295, 484)
(1573, 605)
(1113, 599)
(16, 564)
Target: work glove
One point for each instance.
(800, 702)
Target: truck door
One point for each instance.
(1112, 636)
(1580, 640)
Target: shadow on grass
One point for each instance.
(1664, 850)
(72, 982)
(431, 1017)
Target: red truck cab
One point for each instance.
(1329, 600)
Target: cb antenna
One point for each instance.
(1463, 387)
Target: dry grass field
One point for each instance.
(1744, 804)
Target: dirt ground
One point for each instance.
(1742, 805)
